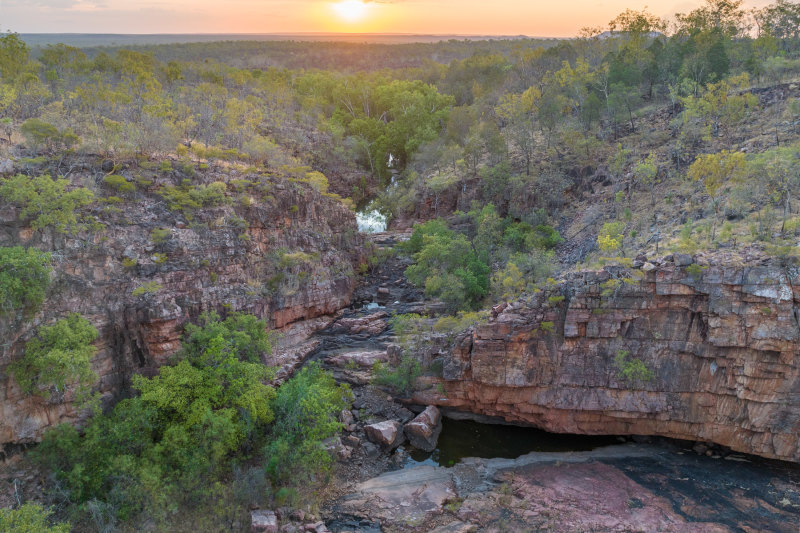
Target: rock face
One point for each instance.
(423, 432)
(388, 434)
(263, 522)
(700, 354)
(288, 257)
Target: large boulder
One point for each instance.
(423, 432)
(263, 522)
(388, 434)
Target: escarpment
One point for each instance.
(700, 353)
(287, 254)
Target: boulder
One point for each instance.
(683, 260)
(388, 434)
(423, 432)
(263, 522)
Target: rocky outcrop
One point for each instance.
(704, 353)
(423, 432)
(282, 251)
(388, 434)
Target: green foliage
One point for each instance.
(611, 238)
(630, 369)
(59, 355)
(187, 197)
(129, 262)
(46, 202)
(166, 446)
(119, 183)
(400, 379)
(695, 270)
(452, 325)
(39, 133)
(448, 267)
(246, 334)
(24, 278)
(30, 518)
(306, 413)
(149, 287)
(160, 235)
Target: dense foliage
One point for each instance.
(174, 445)
(59, 355)
(30, 518)
(457, 268)
(24, 278)
(46, 202)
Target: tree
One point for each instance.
(306, 413)
(24, 278)
(646, 172)
(247, 336)
(14, 54)
(519, 111)
(715, 171)
(46, 202)
(59, 356)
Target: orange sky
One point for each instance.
(465, 17)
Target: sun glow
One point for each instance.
(351, 10)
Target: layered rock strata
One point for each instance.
(701, 353)
(288, 257)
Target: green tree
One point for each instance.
(46, 202)
(59, 356)
(246, 334)
(716, 171)
(24, 278)
(306, 413)
(14, 54)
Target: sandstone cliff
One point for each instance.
(287, 255)
(721, 347)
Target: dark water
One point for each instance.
(465, 438)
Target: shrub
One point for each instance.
(631, 370)
(119, 183)
(30, 518)
(400, 379)
(45, 201)
(24, 278)
(306, 413)
(186, 197)
(58, 356)
(129, 262)
(149, 287)
(160, 236)
(39, 133)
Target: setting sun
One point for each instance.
(351, 10)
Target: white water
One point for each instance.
(371, 222)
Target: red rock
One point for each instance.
(388, 434)
(423, 432)
(723, 352)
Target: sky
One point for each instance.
(547, 18)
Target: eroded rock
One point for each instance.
(263, 522)
(423, 432)
(388, 434)
(719, 349)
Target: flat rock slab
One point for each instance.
(404, 496)
(612, 489)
